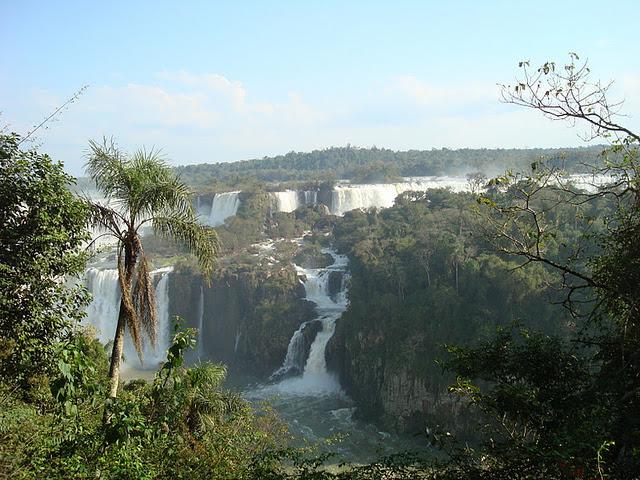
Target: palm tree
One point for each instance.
(141, 190)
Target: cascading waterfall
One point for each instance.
(153, 356)
(348, 197)
(310, 197)
(287, 201)
(202, 210)
(290, 200)
(102, 314)
(315, 379)
(224, 205)
(313, 404)
(236, 343)
(294, 360)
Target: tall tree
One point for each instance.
(563, 408)
(42, 230)
(141, 190)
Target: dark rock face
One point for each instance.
(325, 196)
(301, 349)
(335, 283)
(249, 315)
(312, 257)
(393, 395)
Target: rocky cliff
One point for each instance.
(247, 314)
(394, 394)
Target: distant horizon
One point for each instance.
(590, 146)
(432, 149)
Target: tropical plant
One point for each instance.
(141, 190)
(42, 232)
(565, 407)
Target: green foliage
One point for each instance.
(80, 370)
(558, 407)
(422, 277)
(41, 235)
(183, 425)
(540, 409)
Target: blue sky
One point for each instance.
(213, 81)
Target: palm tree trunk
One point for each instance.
(131, 250)
(116, 353)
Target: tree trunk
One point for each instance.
(131, 250)
(457, 279)
(116, 354)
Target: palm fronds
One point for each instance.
(104, 218)
(202, 241)
(106, 166)
(144, 299)
(141, 189)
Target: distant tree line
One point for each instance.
(370, 165)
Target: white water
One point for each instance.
(315, 379)
(291, 200)
(286, 201)
(310, 197)
(224, 205)
(348, 197)
(102, 314)
(293, 360)
(236, 343)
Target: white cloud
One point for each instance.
(207, 118)
(426, 94)
(210, 83)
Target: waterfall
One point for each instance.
(236, 343)
(153, 356)
(286, 201)
(102, 314)
(346, 196)
(290, 200)
(203, 210)
(350, 197)
(224, 205)
(315, 378)
(310, 197)
(294, 360)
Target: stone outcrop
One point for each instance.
(249, 314)
(394, 395)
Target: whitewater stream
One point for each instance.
(312, 402)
